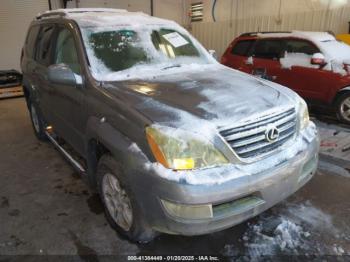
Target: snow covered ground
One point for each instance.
(294, 229)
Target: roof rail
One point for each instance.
(50, 15)
(65, 12)
(266, 32)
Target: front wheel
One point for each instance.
(122, 211)
(343, 108)
(37, 122)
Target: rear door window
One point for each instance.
(44, 45)
(301, 47)
(31, 40)
(243, 48)
(269, 49)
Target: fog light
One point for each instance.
(188, 211)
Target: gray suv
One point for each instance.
(173, 141)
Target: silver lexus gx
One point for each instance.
(173, 141)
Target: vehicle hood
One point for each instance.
(214, 94)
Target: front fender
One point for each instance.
(125, 151)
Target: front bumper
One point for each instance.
(233, 201)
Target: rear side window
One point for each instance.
(44, 44)
(301, 46)
(31, 40)
(243, 48)
(269, 49)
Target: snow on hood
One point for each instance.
(335, 50)
(213, 97)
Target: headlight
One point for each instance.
(182, 151)
(303, 114)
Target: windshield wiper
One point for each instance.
(172, 66)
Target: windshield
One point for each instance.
(335, 50)
(124, 52)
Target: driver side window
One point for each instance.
(66, 52)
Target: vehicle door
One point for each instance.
(266, 54)
(43, 58)
(310, 81)
(68, 99)
(238, 56)
(28, 64)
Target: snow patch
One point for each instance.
(268, 238)
(297, 59)
(289, 232)
(311, 216)
(312, 36)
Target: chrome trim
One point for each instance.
(66, 154)
(251, 135)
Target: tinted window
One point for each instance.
(66, 52)
(44, 44)
(242, 48)
(301, 46)
(268, 49)
(31, 40)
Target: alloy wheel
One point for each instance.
(117, 202)
(345, 109)
(35, 119)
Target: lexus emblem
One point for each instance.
(272, 134)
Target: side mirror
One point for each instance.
(61, 74)
(318, 59)
(213, 53)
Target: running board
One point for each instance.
(75, 163)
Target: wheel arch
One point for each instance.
(103, 138)
(340, 93)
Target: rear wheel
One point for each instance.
(343, 108)
(122, 211)
(37, 122)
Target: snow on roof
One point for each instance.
(90, 17)
(312, 36)
(81, 10)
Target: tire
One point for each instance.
(37, 122)
(343, 108)
(131, 224)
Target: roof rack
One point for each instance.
(266, 32)
(50, 15)
(65, 12)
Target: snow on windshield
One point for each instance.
(118, 53)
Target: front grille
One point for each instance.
(249, 140)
